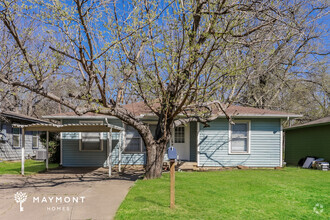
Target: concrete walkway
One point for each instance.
(64, 194)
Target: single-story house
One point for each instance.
(309, 139)
(255, 140)
(11, 137)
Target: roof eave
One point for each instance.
(290, 116)
(266, 116)
(306, 126)
(154, 116)
(70, 127)
(76, 117)
(24, 118)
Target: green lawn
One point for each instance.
(31, 167)
(291, 193)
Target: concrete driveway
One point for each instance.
(64, 194)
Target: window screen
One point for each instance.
(179, 135)
(134, 143)
(35, 139)
(16, 137)
(91, 141)
(239, 138)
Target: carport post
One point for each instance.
(47, 148)
(110, 150)
(22, 151)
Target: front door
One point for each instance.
(181, 142)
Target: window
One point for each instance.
(179, 135)
(240, 138)
(16, 137)
(91, 141)
(35, 139)
(133, 145)
(134, 142)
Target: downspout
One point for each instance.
(283, 140)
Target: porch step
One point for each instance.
(187, 165)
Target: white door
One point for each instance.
(181, 142)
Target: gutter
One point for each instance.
(306, 126)
(144, 116)
(77, 117)
(242, 116)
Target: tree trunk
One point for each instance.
(155, 158)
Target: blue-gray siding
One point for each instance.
(8, 152)
(265, 144)
(213, 146)
(73, 157)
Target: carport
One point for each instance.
(108, 128)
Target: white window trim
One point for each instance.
(249, 138)
(80, 144)
(141, 141)
(19, 138)
(37, 147)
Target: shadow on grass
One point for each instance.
(143, 199)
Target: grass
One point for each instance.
(31, 167)
(290, 193)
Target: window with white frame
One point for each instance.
(134, 142)
(35, 139)
(240, 137)
(90, 141)
(16, 137)
(179, 134)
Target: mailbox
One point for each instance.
(171, 153)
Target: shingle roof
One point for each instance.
(74, 114)
(321, 121)
(140, 109)
(10, 114)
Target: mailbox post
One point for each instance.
(172, 155)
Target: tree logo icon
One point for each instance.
(20, 198)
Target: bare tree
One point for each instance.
(286, 64)
(175, 56)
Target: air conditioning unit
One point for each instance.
(41, 155)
